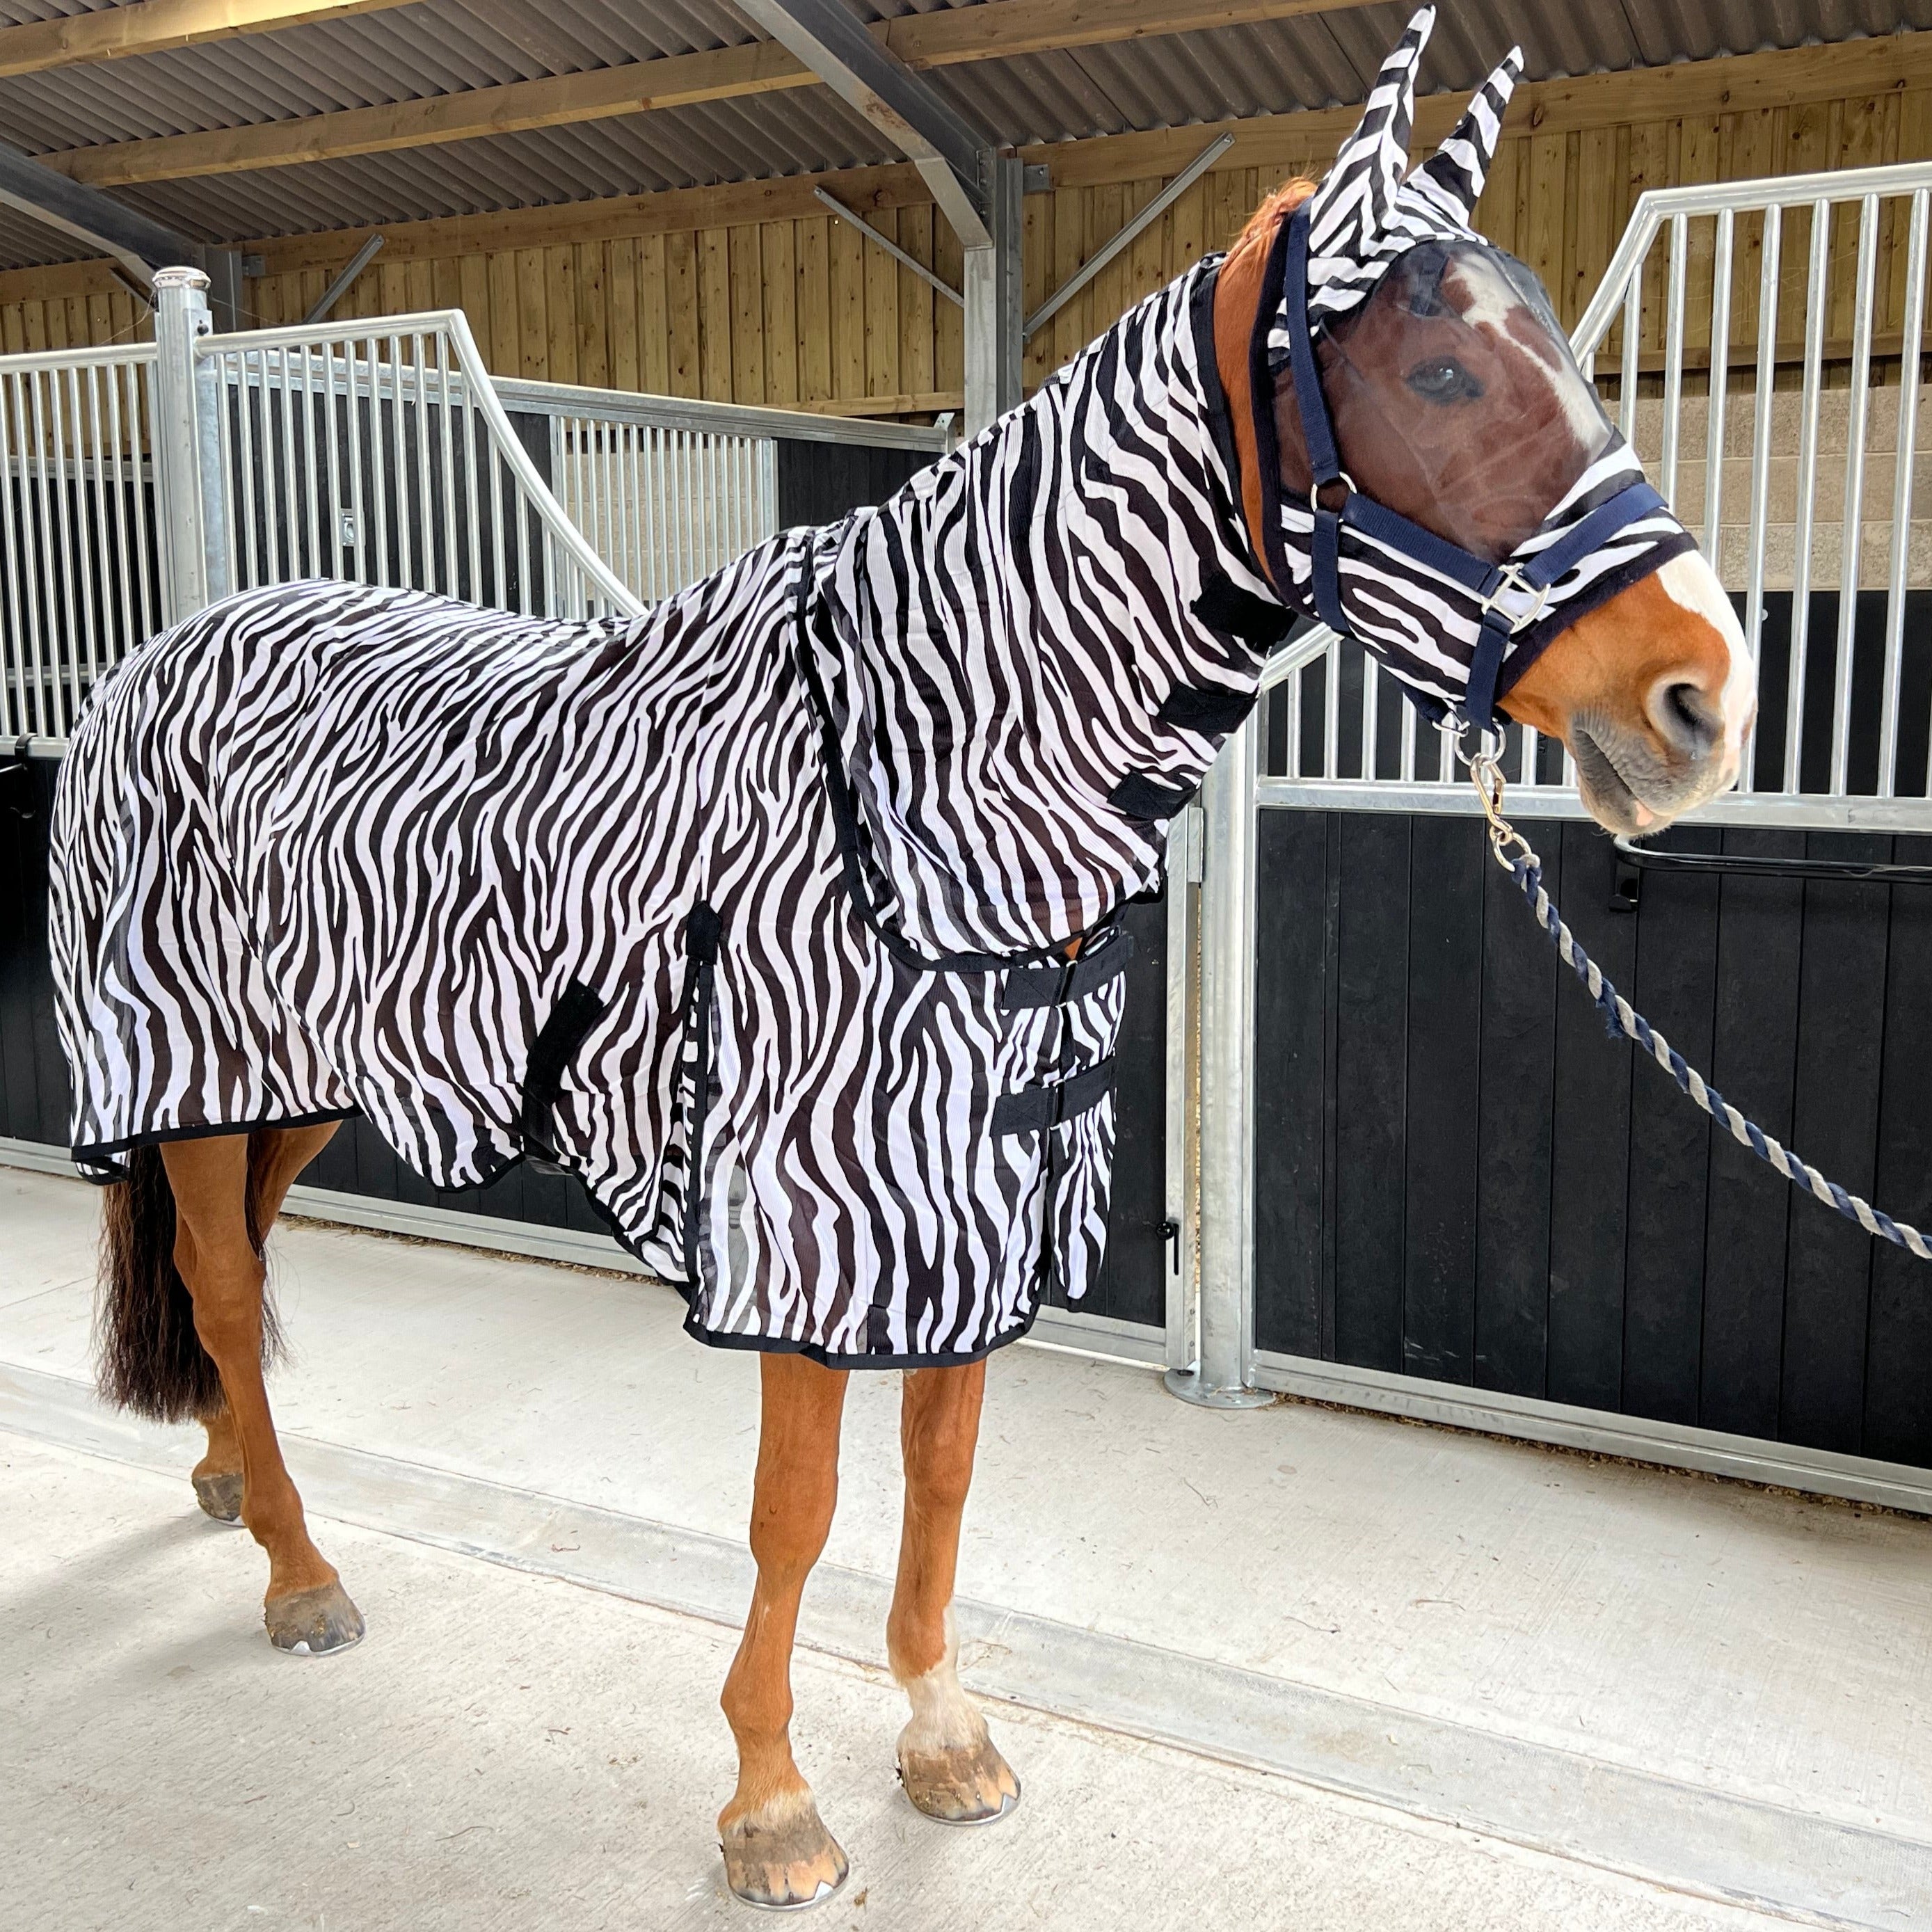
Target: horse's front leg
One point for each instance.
(947, 1761)
(777, 1850)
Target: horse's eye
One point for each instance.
(1443, 379)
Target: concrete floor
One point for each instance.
(1635, 1685)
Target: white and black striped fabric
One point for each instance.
(752, 912)
(1368, 213)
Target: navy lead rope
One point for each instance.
(1514, 853)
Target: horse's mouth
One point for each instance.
(1610, 800)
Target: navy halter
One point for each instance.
(1495, 668)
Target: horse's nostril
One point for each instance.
(1688, 720)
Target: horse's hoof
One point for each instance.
(970, 1785)
(219, 1495)
(782, 1858)
(311, 1623)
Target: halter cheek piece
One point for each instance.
(1495, 668)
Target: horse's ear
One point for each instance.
(1453, 176)
(1352, 204)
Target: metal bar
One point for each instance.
(1905, 451)
(1673, 356)
(904, 105)
(1769, 270)
(15, 719)
(1123, 236)
(1220, 1379)
(1812, 810)
(108, 227)
(61, 397)
(181, 315)
(340, 286)
(1632, 347)
(1851, 527)
(1807, 487)
(39, 578)
(1181, 1265)
(1719, 384)
(891, 247)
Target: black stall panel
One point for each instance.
(819, 482)
(1459, 1177)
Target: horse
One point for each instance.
(1454, 403)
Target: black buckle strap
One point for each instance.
(1036, 1109)
(577, 1011)
(1060, 986)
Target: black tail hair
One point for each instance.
(152, 1359)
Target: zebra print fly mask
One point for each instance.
(1457, 628)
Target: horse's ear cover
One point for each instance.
(1365, 213)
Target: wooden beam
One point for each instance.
(154, 26)
(728, 73)
(997, 29)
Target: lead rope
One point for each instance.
(1514, 854)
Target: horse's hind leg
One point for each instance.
(947, 1760)
(777, 1850)
(306, 1608)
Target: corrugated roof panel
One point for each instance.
(439, 46)
(27, 243)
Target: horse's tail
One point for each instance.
(152, 1359)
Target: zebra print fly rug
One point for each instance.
(753, 912)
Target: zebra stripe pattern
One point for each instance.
(325, 848)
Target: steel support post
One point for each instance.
(187, 450)
(1219, 1377)
(995, 331)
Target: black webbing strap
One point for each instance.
(702, 928)
(1034, 1109)
(561, 1033)
(1060, 985)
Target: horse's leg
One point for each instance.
(777, 1850)
(947, 1761)
(306, 1608)
(276, 1155)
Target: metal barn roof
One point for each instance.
(442, 47)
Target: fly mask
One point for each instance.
(1457, 621)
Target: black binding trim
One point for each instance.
(1033, 1109)
(561, 1033)
(1032, 986)
(1140, 797)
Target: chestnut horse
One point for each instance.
(1465, 414)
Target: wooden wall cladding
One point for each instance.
(798, 309)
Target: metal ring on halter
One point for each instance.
(1341, 477)
(1512, 580)
(1455, 728)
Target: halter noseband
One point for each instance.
(1495, 668)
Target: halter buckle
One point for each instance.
(1512, 580)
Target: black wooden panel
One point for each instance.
(1445, 922)
(34, 1095)
(1589, 1167)
(819, 482)
(1627, 1257)
(1518, 973)
(1833, 1125)
(1291, 1010)
(1673, 986)
(1754, 1059)
(1898, 1393)
(1133, 1286)
(1371, 1070)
